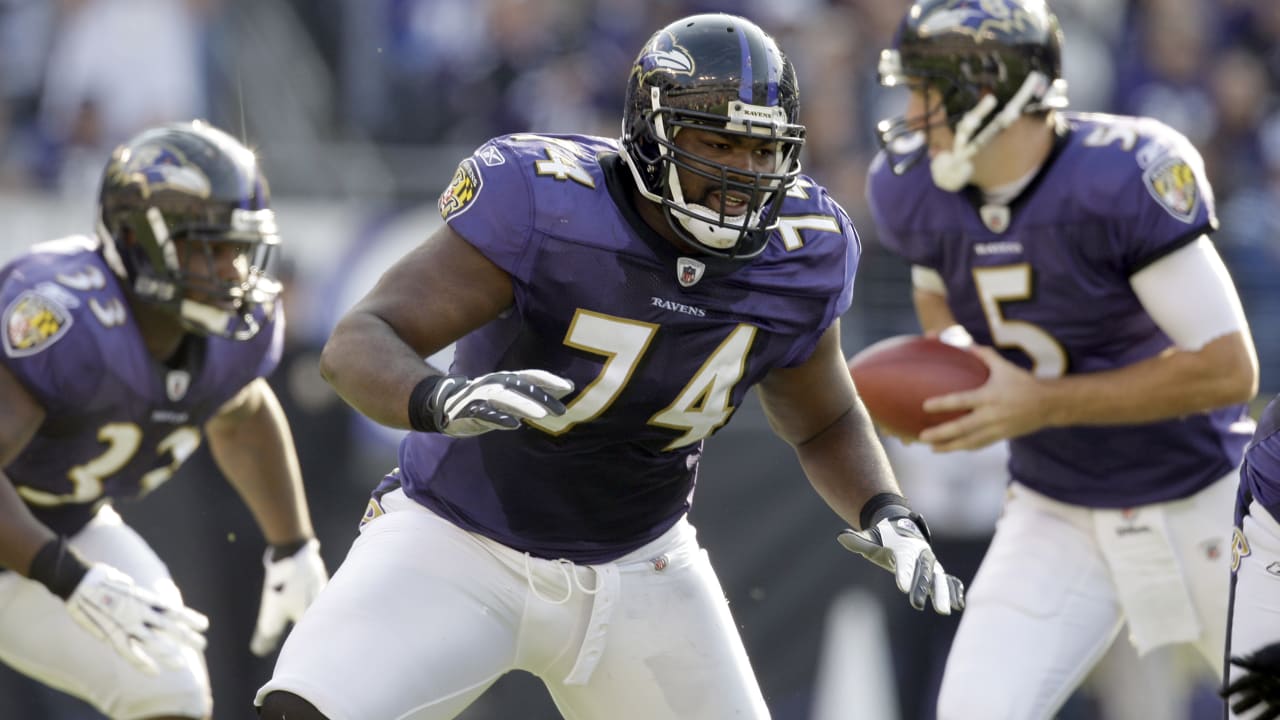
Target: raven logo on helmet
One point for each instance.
(980, 65)
(158, 167)
(980, 18)
(664, 54)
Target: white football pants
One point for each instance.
(423, 616)
(1058, 583)
(39, 638)
(1255, 616)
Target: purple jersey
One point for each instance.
(1260, 473)
(1046, 281)
(661, 348)
(117, 422)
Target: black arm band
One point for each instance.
(284, 550)
(421, 417)
(884, 505)
(58, 568)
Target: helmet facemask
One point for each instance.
(904, 138)
(712, 230)
(177, 267)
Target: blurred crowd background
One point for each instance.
(360, 110)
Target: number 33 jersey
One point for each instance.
(661, 347)
(117, 422)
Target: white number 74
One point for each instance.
(700, 408)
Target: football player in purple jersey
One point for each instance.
(1252, 688)
(121, 353)
(1074, 248)
(612, 302)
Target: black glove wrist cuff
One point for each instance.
(284, 550)
(879, 507)
(421, 414)
(57, 567)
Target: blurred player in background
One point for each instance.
(1075, 249)
(122, 352)
(1253, 678)
(650, 282)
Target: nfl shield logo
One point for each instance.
(995, 217)
(689, 271)
(176, 384)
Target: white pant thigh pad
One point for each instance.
(1257, 598)
(416, 623)
(445, 613)
(671, 648)
(39, 638)
(1041, 607)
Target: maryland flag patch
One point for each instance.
(462, 190)
(33, 322)
(1172, 183)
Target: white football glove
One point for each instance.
(461, 407)
(289, 585)
(897, 545)
(147, 630)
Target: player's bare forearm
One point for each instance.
(847, 465)
(21, 534)
(815, 408)
(1173, 384)
(253, 446)
(360, 340)
(932, 311)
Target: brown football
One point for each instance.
(894, 377)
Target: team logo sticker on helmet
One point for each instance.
(159, 168)
(978, 18)
(1172, 183)
(462, 190)
(664, 55)
(33, 322)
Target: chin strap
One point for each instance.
(951, 169)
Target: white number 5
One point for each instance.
(1009, 283)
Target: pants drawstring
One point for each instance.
(603, 597)
(570, 580)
